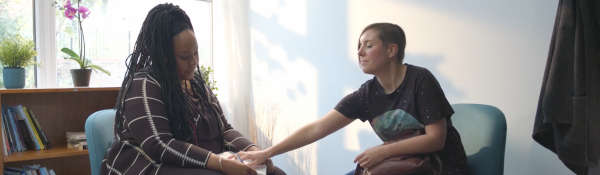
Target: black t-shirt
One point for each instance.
(418, 101)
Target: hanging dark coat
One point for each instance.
(568, 114)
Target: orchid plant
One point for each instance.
(78, 13)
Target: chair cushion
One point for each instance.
(100, 135)
(482, 130)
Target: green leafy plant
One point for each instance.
(206, 75)
(83, 63)
(17, 52)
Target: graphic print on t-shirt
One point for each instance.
(389, 124)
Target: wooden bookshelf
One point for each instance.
(44, 154)
(58, 110)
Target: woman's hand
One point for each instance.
(268, 162)
(255, 157)
(234, 167)
(371, 157)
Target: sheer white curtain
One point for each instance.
(265, 114)
(231, 60)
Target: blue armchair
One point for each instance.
(100, 135)
(482, 130)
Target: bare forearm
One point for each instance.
(415, 145)
(433, 140)
(304, 136)
(332, 121)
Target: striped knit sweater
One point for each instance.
(145, 143)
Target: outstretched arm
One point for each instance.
(332, 121)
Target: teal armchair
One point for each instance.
(100, 135)
(482, 130)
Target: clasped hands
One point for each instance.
(242, 158)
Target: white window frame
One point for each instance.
(45, 34)
(45, 30)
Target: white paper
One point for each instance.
(260, 169)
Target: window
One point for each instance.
(16, 17)
(111, 30)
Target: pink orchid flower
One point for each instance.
(70, 12)
(84, 12)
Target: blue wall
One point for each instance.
(490, 52)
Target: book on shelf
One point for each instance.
(38, 128)
(8, 138)
(29, 170)
(21, 130)
(25, 136)
(18, 145)
(27, 127)
(5, 146)
(31, 126)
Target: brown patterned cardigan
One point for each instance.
(145, 143)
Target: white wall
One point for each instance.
(490, 52)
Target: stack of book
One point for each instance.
(29, 170)
(76, 140)
(21, 130)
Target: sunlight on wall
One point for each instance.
(423, 35)
(463, 42)
(291, 14)
(284, 93)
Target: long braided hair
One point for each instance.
(154, 53)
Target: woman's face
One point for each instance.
(186, 54)
(371, 52)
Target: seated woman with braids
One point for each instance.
(168, 121)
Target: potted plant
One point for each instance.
(15, 54)
(81, 76)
